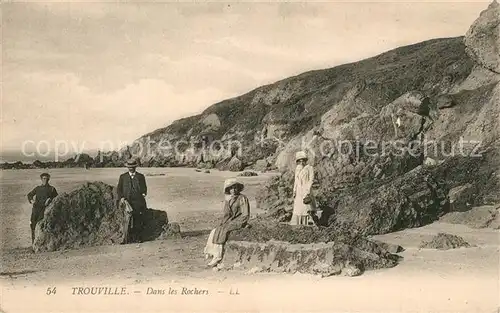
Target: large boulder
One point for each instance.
(411, 200)
(90, 216)
(483, 38)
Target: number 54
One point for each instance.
(51, 291)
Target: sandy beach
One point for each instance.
(427, 280)
(384, 118)
(191, 198)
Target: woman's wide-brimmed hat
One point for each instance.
(301, 155)
(232, 182)
(132, 163)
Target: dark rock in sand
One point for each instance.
(155, 221)
(89, 216)
(172, 230)
(444, 241)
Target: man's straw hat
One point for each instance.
(132, 163)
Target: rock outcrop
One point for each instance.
(483, 38)
(89, 216)
(323, 259)
(376, 207)
(414, 199)
(385, 163)
(282, 248)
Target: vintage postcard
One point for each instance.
(250, 156)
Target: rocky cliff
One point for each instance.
(440, 89)
(271, 121)
(391, 137)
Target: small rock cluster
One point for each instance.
(444, 241)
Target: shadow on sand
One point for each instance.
(18, 273)
(196, 233)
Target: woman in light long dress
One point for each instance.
(304, 177)
(236, 216)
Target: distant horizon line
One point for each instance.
(13, 156)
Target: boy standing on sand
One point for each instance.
(43, 195)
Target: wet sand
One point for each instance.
(459, 280)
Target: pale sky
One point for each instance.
(93, 72)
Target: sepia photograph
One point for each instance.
(250, 156)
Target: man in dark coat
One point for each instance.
(40, 197)
(132, 187)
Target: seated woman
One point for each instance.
(236, 215)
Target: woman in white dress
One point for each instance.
(304, 177)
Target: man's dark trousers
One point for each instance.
(139, 209)
(36, 216)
